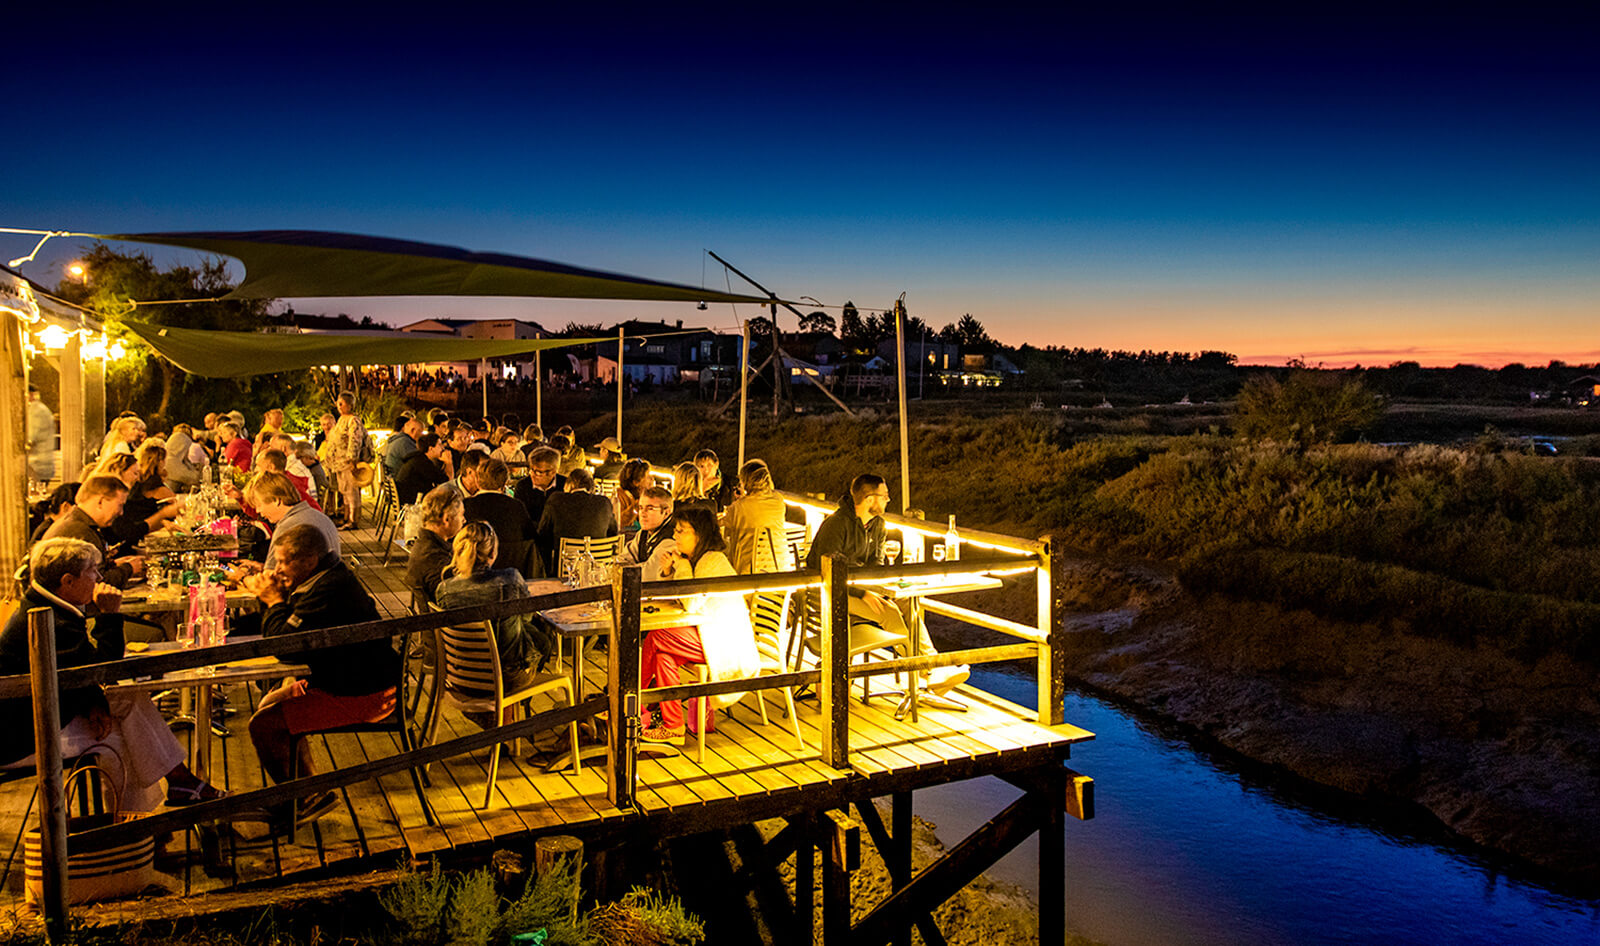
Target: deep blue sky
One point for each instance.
(1344, 187)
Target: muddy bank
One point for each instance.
(1504, 754)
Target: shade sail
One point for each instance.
(243, 354)
(305, 263)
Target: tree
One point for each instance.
(114, 282)
(970, 333)
(818, 322)
(1307, 406)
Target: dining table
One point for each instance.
(581, 623)
(196, 684)
(913, 591)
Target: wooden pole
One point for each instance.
(620, 343)
(778, 367)
(900, 370)
(898, 860)
(842, 858)
(805, 896)
(47, 759)
(834, 689)
(14, 434)
(1053, 859)
(622, 664)
(538, 390)
(744, 383)
(71, 408)
(1052, 673)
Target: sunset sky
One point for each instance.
(1341, 189)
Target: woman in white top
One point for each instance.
(723, 640)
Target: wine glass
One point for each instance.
(891, 551)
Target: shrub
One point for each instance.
(1305, 407)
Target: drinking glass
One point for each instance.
(891, 550)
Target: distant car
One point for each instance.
(1543, 448)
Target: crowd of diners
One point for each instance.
(493, 503)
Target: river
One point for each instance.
(1190, 848)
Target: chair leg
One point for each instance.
(761, 704)
(577, 760)
(700, 711)
(794, 718)
(418, 776)
(494, 770)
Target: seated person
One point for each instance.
(686, 492)
(467, 470)
(142, 513)
(64, 577)
(572, 455)
(577, 513)
(631, 481)
(755, 518)
(470, 579)
(312, 589)
(723, 641)
(542, 481)
(442, 518)
(611, 459)
(277, 500)
(422, 471)
(44, 513)
(403, 445)
(293, 465)
(856, 531)
(98, 504)
(509, 518)
(273, 460)
(712, 485)
(648, 547)
(233, 449)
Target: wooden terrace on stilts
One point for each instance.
(853, 752)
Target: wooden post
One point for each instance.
(905, 442)
(620, 343)
(834, 690)
(622, 661)
(549, 852)
(1053, 859)
(805, 894)
(14, 434)
(538, 390)
(843, 857)
(898, 860)
(744, 384)
(1052, 674)
(70, 408)
(777, 365)
(93, 423)
(47, 759)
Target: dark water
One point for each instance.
(1186, 849)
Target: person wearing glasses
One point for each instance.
(652, 544)
(857, 532)
(542, 480)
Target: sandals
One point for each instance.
(201, 790)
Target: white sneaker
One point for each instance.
(942, 680)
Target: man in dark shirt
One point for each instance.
(541, 482)
(856, 531)
(505, 515)
(422, 471)
(651, 543)
(350, 683)
(712, 485)
(577, 513)
(442, 517)
(99, 503)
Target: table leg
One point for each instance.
(202, 731)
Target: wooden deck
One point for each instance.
(750, 771)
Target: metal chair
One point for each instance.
(473, 682)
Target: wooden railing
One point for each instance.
(625, 697)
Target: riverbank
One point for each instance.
(1503, 753)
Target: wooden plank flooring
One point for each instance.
(750, 770)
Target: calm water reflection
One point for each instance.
(1184, 850)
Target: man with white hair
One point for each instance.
(64, 576)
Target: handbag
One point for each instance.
(121, 870)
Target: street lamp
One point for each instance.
(79, 272)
